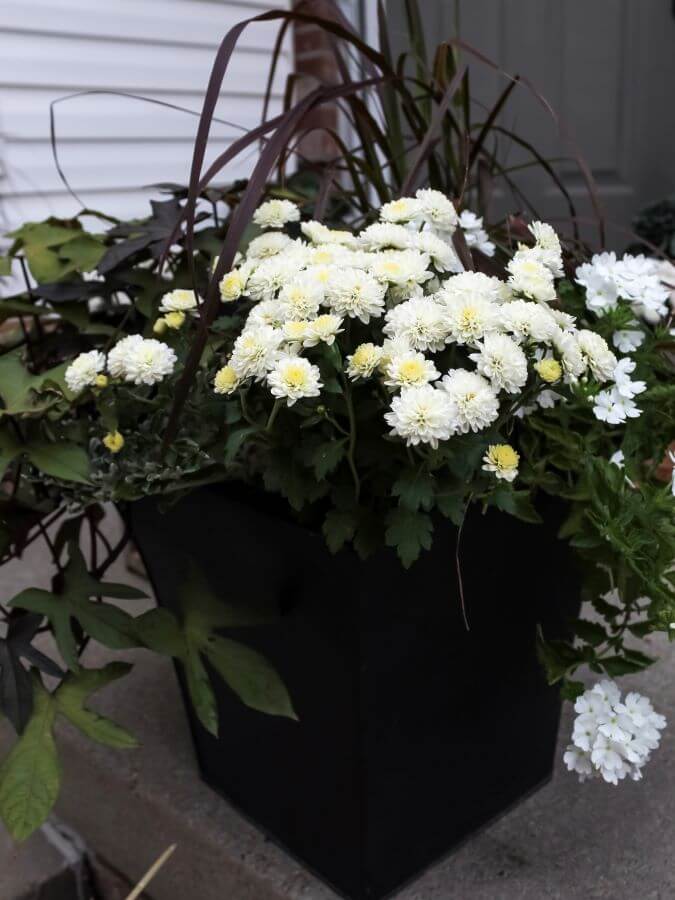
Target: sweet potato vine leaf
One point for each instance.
(107, 624)
(192, 639)
(30, 775)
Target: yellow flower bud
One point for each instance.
(160, 326)
(101, 381)
(175, 319)
(113, 441)
(549, 370)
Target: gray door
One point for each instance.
(608, 69)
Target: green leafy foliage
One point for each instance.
(108, 624)
(193, 639)
(409, 532)
(30, 774)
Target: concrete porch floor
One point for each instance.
(568, 841)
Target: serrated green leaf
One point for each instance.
(70, 700)
(515, 503)
(590, 632)
(327, 457)
(409, 532)
(339, 527)
(30, 775)
(415, 490)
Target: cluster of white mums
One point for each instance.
(403, 270)
(134, 359)
(612, 738)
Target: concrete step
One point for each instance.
(34, 870)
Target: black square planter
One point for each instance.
(413, 731)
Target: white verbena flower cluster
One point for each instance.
(402, 277)
(133, 359)
(639, 280)
(612, 737)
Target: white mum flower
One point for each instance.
(323, 329)
(295, 331)
(140, 360)
(268, 244)
(502, 460)
(178, 301)
(502, 361)
(409, 368)
(421, 414)
(82, 371)
(529, 276)
(384, 234)
(470, 284)
(330, 255)
(599, 357)
(421, 322)
(469, 318)
(363, 361)
(300, 298)
(354, 293)
(436, 210)
(293, 378)
(548, 248)
(318, 233)
(442, 252)
(404, 209)
(267, 312)
(528, 322)
(255, 351)
(401, 267)
(571, 357)
(232, 286)
(276, 213)
(474, 402)
(628, 340)
(271, 275)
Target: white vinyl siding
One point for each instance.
(110, 147)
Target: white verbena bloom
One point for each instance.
(276, 213)
(293, 378)
(436, 210)
(628, 339)
(141, 360)
(612, 739)
(474, 402)
(474, 233)
(409, 368)
(179, 300)
(255, 351)
(597, 354)
(617, 459)
(609, 406)
(530, 277)
(421, 414)
(624, 384)
(421, 322)
(356, 294)
(82, 371)
(502, 361)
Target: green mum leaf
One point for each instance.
(409, 532)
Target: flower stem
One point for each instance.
(352, 437)
(273, 415)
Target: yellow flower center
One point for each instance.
(113, 441)
(549, 370)
(226, 380)
(295, 376)
(503, 456)
(175, 319)
(411, 370)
